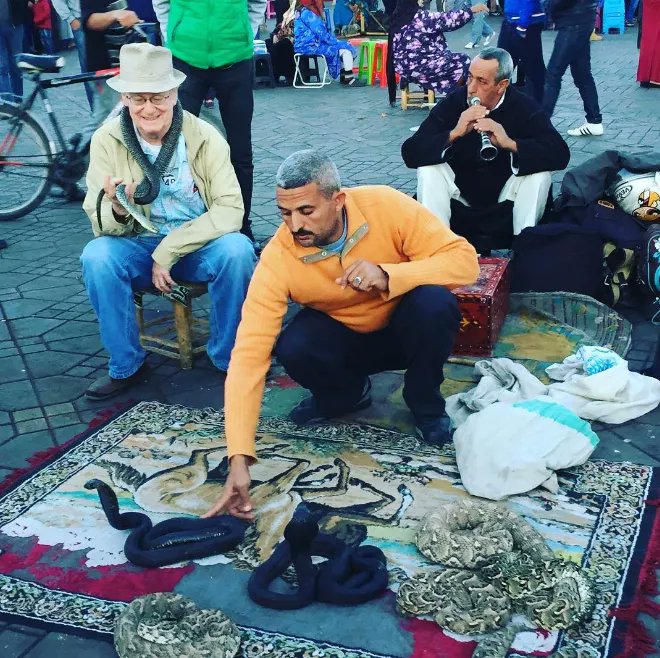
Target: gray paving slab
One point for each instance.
(15, 452)
(59, 645)
(48, 328)
(15, 641)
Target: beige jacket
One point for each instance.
(208, 156)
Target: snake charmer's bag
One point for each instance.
(509, 449)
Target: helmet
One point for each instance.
(638, 194)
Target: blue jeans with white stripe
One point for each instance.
(572, 48)
(114, 267)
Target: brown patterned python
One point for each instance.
(497, 565)
(170, 625)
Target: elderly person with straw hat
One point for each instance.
(164, 204)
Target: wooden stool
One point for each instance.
(179, 335)
(421, 98)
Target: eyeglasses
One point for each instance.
(156, 99)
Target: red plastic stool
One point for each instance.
(379, 69)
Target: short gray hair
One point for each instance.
(504, 62)
(309, 166)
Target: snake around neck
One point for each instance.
(149, 187)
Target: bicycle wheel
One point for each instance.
(25, 162)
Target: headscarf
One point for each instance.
(403, 13)
(315, 6)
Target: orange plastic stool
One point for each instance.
(379, 69)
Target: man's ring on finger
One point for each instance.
(357, 280)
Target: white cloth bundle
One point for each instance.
(502, 380)
(509, 449)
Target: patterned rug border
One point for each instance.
(277, 643)
(40, 460)
(623, 631)
(631, 638)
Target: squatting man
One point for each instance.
(372, 269)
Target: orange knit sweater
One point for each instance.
(385, 227)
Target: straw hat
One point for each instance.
(145, 68)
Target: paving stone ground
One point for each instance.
(49, 345)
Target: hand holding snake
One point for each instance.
(110, 185)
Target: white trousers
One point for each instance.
(346, 59)
(436, 188)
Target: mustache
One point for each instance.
(301, 233)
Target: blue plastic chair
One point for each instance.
(614, 16)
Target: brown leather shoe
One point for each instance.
(106, 387)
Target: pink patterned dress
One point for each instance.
(421, 54)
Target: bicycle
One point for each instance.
(30, 162)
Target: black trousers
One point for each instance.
(526, 53)
(332, 361)
(233, 89)
(572, 48)
(281, 56)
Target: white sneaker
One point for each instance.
(587, 129)
(469, 45)
(488, 39)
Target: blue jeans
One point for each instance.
(79, 40)
(480, 28)
(572, 48)
(11, 42)
(113, 267)
(632, 8)
(46, 39)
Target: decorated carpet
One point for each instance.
(62, 566)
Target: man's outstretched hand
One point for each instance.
(235, 497)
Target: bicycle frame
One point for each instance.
(42, 85)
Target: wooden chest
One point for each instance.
(484, 306)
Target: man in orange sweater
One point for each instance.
(372, 269)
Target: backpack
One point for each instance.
(648, 267)
(558, 257)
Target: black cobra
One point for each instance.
(349, 576)
(175, 540)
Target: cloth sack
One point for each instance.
(588, 360)
(508, 449)
(502, 380)
(615, 395)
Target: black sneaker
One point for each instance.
(307, 412)
(435, 431)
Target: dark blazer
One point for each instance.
(20, 13)
(540, 146)
(567, 13)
